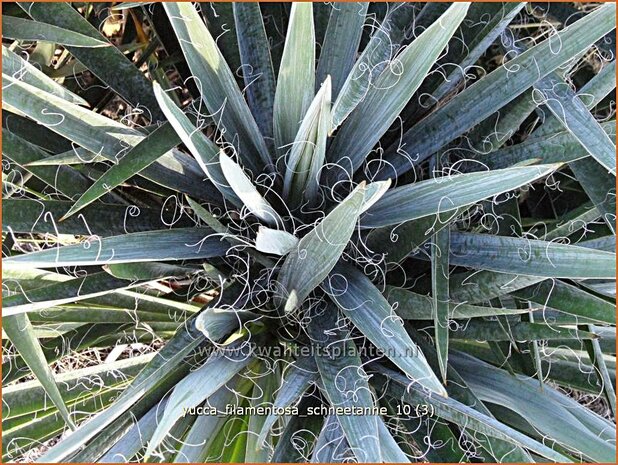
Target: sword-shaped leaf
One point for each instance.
(296, 78)
(14, 65)
(341, 41)
(495, 90)
(147, 151)
(247, 192)
(197, 387)
(63, 292)
(459, 413)
(318, 252)
(255, 55)
(392, 91)
(412, 306)
(371, 313)
(275, 241)
(109, 64)
(345, 383)
(298, 378)
(385, 41)
(201, 147)
(444, 194)
(21, 333)
(25, 29)
(304, 161)
(440, 294)
(530, 257)
(101, 135)
(151, 246)
(42, 216)
(570, 299)
(554, 415)
(217, 85)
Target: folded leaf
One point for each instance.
(318, 252)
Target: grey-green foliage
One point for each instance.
(361, 205)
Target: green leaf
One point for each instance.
(155, 376)
(595, 352)
(482, 286)
(397, 242)
(530, 257)
(371, 313)
(218, 87)
(199, 440)
(153, 146)
(318, 252)
(258, 450)
(275, 241)
(30, 435)
(201, 147)
(298, 378)
(495, 90)
(345, 383)
(296, 78)
(217, 323)
(440, 294)
(36, 216)
(247, 192)
(63, 179)
(30, 396)
(480, 330)
(75, 156)
(484, 23)
(21, 333)
(170, 244)
(331, 445)
(459, 413)
(134, 439)
(14, 65)
(255, 55)
(63, 292)
(108, 64)
(449, 193)
(601, 189)
(25, 29)
(197, 387)
(391, 452)
(85, 313)
(304, 161)
(391, 92)
(553, 414)
(500, 450)
(218, 227)
(305, 430)
(149, 271)
(551, 147)
(575, 117)
(374, 192)
(385, 41)
(411, 306)
(341, 42)
(597, 187)
(101, 135)
(571, 300)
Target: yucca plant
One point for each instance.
(337, 232)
